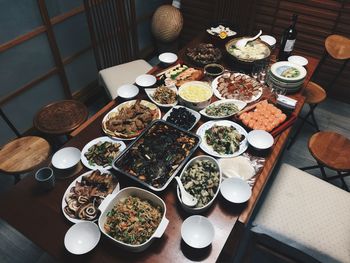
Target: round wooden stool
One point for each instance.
(23, 155)
(314, 94)
(331, 150)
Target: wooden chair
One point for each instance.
(338, 47)
(23, 155)
(113, 35)
(303, 219)
(331, 150)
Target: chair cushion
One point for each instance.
(308, 214)
(113, 77)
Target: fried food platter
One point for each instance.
(129, 119)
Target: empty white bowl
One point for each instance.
(82, 237)
(270, 40)
(235, 190)
(197, 231)
(145, 80)
(128, 91)
(260, 139)
(299, 60)
(66, 158)
(167, 58)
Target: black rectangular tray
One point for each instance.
(118, 162)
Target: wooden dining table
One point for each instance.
(38, 215)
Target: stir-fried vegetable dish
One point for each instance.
(102, 153)
(202, 180)
(223, 139)
(133, 221)
(222, 110)
(164, 95)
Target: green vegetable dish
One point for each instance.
(221, 110)
(133, 221)
(223, 139)
(202, 180)
(102, 153)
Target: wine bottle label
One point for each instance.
(289, 45)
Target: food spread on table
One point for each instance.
(204, 53)
(130, 119)
(102, 153)
(133, 220)
(154, 157)
(223, 139)
(85, 196)
(265, 117)
(237, 86)
(201, 179)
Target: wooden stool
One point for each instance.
(60, 118)
(23, 155)
(331, 150)
(314, 94)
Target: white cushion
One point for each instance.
(308, 214)
(113, 77)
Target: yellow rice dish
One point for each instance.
(196, 93)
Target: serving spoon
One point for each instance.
(242, 42)
(186, 197)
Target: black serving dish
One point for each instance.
(157, 155)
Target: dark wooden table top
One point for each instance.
(38, 214)
(60, 117)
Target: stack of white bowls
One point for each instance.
(287, 75)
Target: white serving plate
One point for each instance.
(95, 141)
(209, 150)
(278, 68)
(111, 200)
(82, 237)
(78, 179)
(197, 231)
(240, 104)
(235, 190)
(150, 92)
(195, 210)
(217, 94)
(195, 113)
(150, 105)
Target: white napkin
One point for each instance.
(286, 101)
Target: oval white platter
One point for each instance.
(78, 179)
(151, 91)
(240, 104)
(209, 150)
(96, 141)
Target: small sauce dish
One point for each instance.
(213, 70)
(145, 80)
(66, 158)
(260, 140)
(197, 231)
(235, 190)
(167, 58)
(128, 91)
(270, 40)
(299, 60)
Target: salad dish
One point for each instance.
(100, 152)
(223, 108)
(223, 138)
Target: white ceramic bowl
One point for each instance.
(167, 58)
(146, 80)
(197, 231)
(299, 60)
(235, 190)
(195, 210)
(280, 68)
(270, 40)
(82, 237)
(128, 91)
(66, 158)
(260, 139)
(195, 104)
(109, 202)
